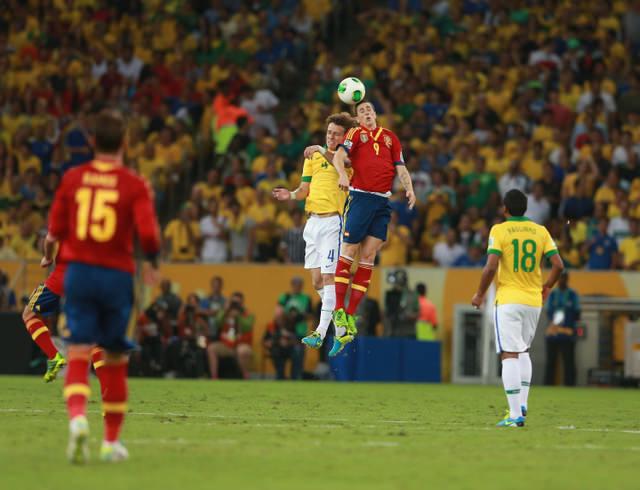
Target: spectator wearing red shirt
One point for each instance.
(232, 337)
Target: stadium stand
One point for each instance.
(223, 96)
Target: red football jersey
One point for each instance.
(96, 211)
(374, 156)
(55, 281)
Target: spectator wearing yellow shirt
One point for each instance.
(153, 167)
(211, 188)
(497, 161)
(606, 193)
(167, 150)
(533, 161)
(26, 159)
(630, 247)
(6, 252)
(182, 237)
(271, 180)
(267, 154)
(544, 132)
(429, 239)
(262, 214)
(24, 243)
(238, 227)
(395, 249)
(463, 161)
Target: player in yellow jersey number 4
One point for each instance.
(516, 250)
(324, 205)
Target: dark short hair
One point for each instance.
(364, 102)
(516, 202)
(110, 130)
(342, 119)
(421, 289)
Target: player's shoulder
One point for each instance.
(75, 173)
(353, 132)
(540, 229)
(131, 177)
(498, 227)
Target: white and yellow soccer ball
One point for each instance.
(351, 90)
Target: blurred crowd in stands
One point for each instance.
(222, 97)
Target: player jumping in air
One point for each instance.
(376, 158)
(45, 302)
(325, 205)
(516, 250)
(96, 210)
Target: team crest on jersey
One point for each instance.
(387, 140)
(363, 137)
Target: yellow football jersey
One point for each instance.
(324, 194)
(521, 245)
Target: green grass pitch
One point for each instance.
(191, 435)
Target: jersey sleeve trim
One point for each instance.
(550, 253)
(306, 178)
(494, 251)
(399, 164)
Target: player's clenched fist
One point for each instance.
(281, 194)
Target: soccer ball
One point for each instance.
(351, 90)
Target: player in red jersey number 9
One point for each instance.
(376, 159)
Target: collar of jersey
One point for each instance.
(518, 218)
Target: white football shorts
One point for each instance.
(322, 243)
(515, 326)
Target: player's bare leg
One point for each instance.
(76, 393)
(114, 405)
(41, 335)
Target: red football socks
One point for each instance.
(76, 385)
(97, 359)
(342, 278)
(359, 287)
(114, 399)
(41, 336)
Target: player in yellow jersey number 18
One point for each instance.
(516, 250)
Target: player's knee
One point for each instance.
(349, 249)
(327, 280)
(318, 282)
(27, 314)
(111, 358)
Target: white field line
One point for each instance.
(621, 431)
(324, 422)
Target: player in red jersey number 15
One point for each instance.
(97, 210)
(376, 159)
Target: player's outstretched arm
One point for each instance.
(300, 194)
(488, 273)
(405, 179)
(557, 266)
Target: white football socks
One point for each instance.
(525, 377)
(328, 305)
(320, 293)
(512, 382)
